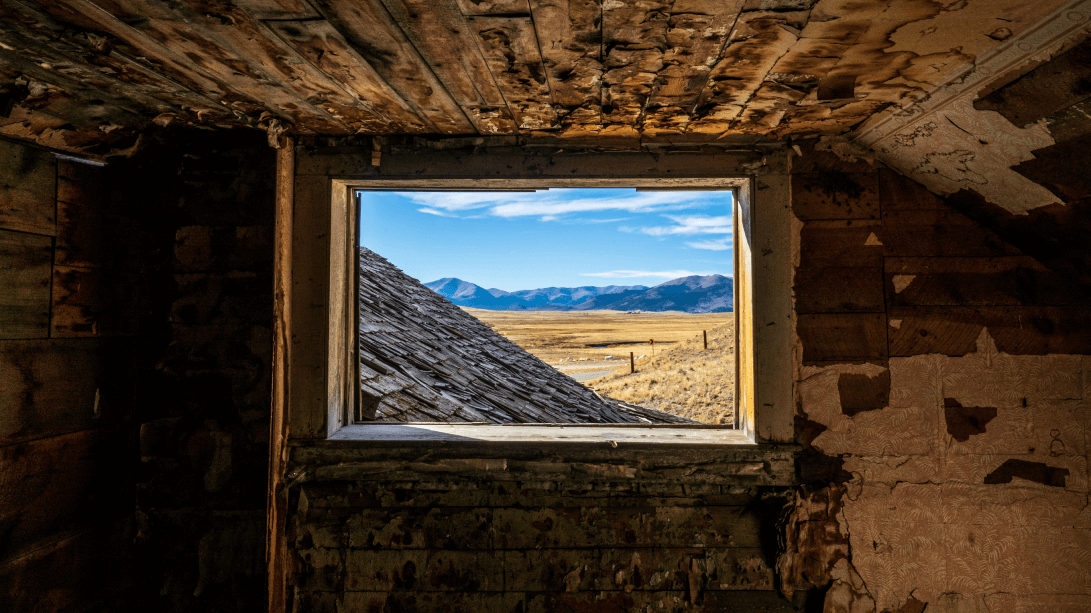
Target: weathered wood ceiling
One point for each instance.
(82, 73)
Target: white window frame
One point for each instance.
(316, 238)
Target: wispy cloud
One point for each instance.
(692, 224)
(550, 205)
(632, 274)
(431, 211)
(718, 244)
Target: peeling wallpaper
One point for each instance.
(967, 489)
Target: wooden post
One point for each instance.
(705, 332)
(632, 363)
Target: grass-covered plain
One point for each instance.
(681, 377)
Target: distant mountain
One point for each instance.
(693, 294)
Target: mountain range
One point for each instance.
(693, 294)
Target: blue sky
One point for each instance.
(555, 237)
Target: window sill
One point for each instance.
(612, 434)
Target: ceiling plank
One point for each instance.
(494, 7)
(183, 50)
(696, 33)
(634, 36)
(369, 29)
(511, 50)
(756, 43)
(570, 41)
(251, 48)
(323, 46)
(88, 62)
(447, 43)
(279, 9)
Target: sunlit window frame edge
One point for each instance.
(321, 370)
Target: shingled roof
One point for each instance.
(424, 359)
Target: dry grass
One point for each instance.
(680, 378)
(687, 380)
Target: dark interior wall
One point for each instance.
(204, 415)
(74, 262)
(135, 349)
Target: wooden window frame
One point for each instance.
(317, 233)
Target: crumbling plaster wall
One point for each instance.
(949, 374)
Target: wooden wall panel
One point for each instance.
(93, 302)
(54, 387)
(55, 487)
(28, 186)
(847, 337)
(1009, 280)
(1017, 330)
(939, 233)
(836, 195)
(25, 262)
(839, 290)
(79, 573)
(835, 243)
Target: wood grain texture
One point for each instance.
(845, 337)
(511, 51)
(839, 290)
(25, 265)
(695, 36)
(569, 38)
(327, 50)
(276, 544)
(53, 387)
(309, 297)
(957, 281)
(28, 185)
(94, 302)
(76, 573)
(833, 195)
(836, 243)
(55, 487)
(372, 33)
(217, 75)
(446, 42)
(1016, 330)
(939, 233)
(633, 39)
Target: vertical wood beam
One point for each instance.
(773, 309)
(276, 547)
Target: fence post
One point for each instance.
(705, 332)
(632, 363)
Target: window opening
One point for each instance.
(574, 306)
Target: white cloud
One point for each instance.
(550, 204)
(692, 224)
(632, 274)
(718, 244)
(436, 212)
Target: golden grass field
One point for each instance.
(680, 378)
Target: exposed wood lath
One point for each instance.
(90, 74)
(424, 359)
